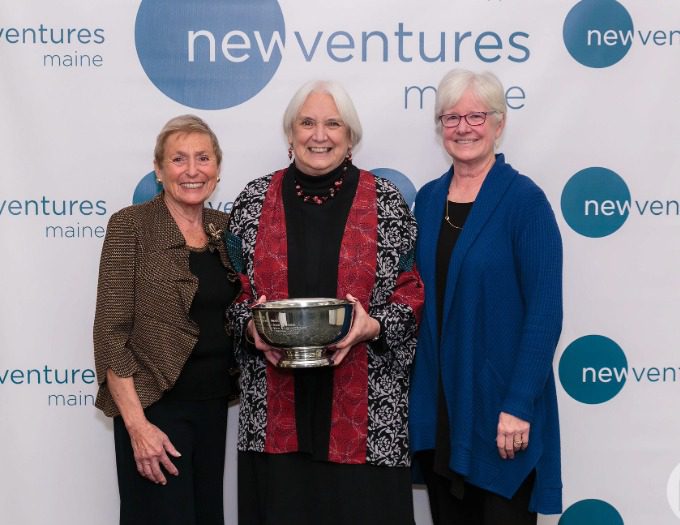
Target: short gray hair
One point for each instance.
(342, 100)
(486, 86)
(185, 124)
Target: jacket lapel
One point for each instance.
(167, 240)
(429, 213)
(490, 194)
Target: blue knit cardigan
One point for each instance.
(501, 322)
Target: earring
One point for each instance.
(290, 152)
(348, 157)
(158, 181)
(219, 179)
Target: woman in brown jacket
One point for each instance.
(162, 346)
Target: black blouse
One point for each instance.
(208, 373)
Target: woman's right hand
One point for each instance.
(272, 354)
(151, 447)
(149, 444)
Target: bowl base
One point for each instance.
(305, 357)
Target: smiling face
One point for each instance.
(189, 169)
(320, 138)
(471, 145)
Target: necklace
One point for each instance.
(321, 199)
(447, 219)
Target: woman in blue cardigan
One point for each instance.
(483, 413)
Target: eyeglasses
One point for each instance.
(476, 118)
(182, 160)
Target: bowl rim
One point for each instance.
(304, 303)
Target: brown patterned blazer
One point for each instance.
(142, 326)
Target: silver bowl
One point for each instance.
(303, 328)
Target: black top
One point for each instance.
(314, 235)
(207, 373)
(448, 236)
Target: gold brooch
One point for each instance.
(215, 234)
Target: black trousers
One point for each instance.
(293, 489)
(477, 506)
(196, 496)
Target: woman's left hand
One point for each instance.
(513, 435)
(364, 328)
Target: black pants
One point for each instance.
(293, 489)
(195, 497)
(478, 506)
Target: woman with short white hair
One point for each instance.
(483, 407)
(326, 445)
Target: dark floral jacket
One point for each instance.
(370, 387)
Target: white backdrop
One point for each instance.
(592, 84)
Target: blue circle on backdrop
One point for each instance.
(598, 33)
(401, 181)
(146, 189)
(210, 55)
(591, 512)
(595, 202)
(593, 369)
